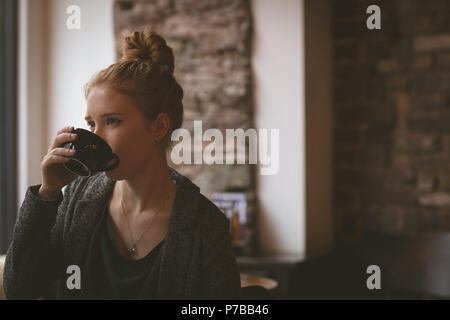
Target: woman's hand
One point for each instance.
(54, 175)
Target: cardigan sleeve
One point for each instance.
(221, 273)
(34, 257)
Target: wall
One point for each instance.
(392, 128)
(54, 64)
(279, 95)
(73, 56)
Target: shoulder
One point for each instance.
(207, 217)
(211, 220)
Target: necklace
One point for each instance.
(133, 249)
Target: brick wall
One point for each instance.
(391, 118)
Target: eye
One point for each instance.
(90, 124)
(113, 120)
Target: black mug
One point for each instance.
(92, 154)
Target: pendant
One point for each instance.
(132, 251)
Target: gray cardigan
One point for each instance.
(197, 261)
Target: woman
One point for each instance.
(139, 231)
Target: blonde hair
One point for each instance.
(145, 74)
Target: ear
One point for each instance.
(161, 126)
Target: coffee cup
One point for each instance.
(93, 154)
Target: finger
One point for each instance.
(59, 132)
(65, 129)
(63, 152)
(52, 159)
(63, 138)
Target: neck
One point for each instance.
(148, 190)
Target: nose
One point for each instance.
(99, 133)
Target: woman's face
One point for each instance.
(114, 118)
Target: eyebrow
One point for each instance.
(105, 115)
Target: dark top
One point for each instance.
(197, 258)
(112, 276)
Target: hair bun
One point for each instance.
(148, 46)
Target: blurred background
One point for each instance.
(363, 115)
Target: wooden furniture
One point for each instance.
(248, 280)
